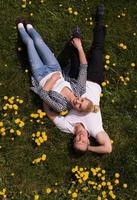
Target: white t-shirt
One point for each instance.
(59, 85)
(91, 121)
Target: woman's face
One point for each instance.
(80, 104)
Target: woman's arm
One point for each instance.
(82, 76)
(78, 45)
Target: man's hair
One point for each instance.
(90, 107)
(78, 151)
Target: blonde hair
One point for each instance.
(91, 107)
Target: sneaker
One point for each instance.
(100, 10)
(76, 32)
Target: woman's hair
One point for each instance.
(91, 107)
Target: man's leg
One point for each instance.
(96, 60)
(34, 59)
(96, 57)
(74, 63)
(43, 50)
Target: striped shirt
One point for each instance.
(55, 100)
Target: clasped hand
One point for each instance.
(56, 76)
(77, 43)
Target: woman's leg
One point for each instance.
(96, 58)
(45, 53)
(34, 59)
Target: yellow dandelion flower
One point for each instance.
(117, 175)
(125, 47)
(125, 185)
(106, 67)
(48, 190)
(36, 197)
(38, 133)
(18, 132)
(3, 133)
(107, 61)
(103, 84)
(20, 101)
(41, 140)
(17, 120)
(107, 57)
(1, 124)
(2, 130)
(63, 113)
(116, 181)
(103, 183)
(121, 45)
(69, 192)
(69, 9)
(108, 183)
(80, 180)
(103, 171)
(110, 187)
(74, 195)
(99, 198)
(75, 13)
(112, 140)
(12, 130)
(133, 64)
(5, 97)
(43, 157)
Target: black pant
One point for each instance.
(95, 71)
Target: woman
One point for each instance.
(58, 92)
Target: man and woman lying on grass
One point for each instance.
(78, 91)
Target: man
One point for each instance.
(85, 125)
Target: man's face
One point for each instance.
(81, 140)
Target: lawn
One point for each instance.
(30, 170)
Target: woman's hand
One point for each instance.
(51, 81)
(56, 76)
(77, 43)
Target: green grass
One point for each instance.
(119, 117)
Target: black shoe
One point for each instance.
(76, 33)
(100, 10)
(20, 20)
(27, 22)
(100, 14)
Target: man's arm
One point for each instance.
(51, 114)
(104, 144)
(60, 121)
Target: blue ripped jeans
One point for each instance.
(42, 60)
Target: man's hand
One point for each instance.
(77, 43)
